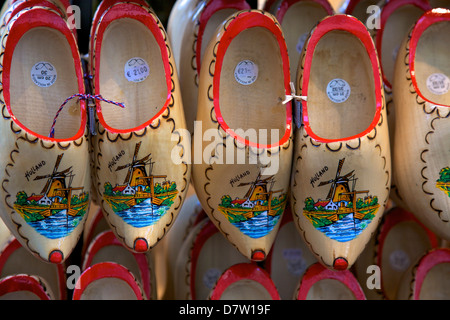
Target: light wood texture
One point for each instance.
(422, 132)
(31, 157)
(147, 141)
(222, 175)
(340, 143)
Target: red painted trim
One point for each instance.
(244, 271)
(286, 5)
(207, 231)
(136, 12)
(107, 238)
(388, 9)
(40, 17)
(428, 261)
(21, 282)
(358, 29)
(211, 8)
(318, 272)
(351, 6)
(425, 21)
(101, 8)
(245, 21)
(14, 245)
(105, 270)
(392, 218)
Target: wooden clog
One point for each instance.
(320, 283)
(396, 19)
(107, 281)
(289, 258)
(428, 278)
(205, 256)
(422, 132)
(45, 161)
(297, 18)
(140, 173)
(359, 9)
(106, 248)
(15, 259)
(341, 172)
(244, 281)
(24, 287)
(242, 176)
(95, 224)
(401, 240)
(195, 39)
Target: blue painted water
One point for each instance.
(259, 226)
(345, 229)
(57, 226)
(144, 214)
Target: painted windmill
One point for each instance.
(339, 188)
(56, 181)
(137, 172)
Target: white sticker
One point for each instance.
(43, 74)
(246, 72)
(136, 70)
(296, 265)
(210, 277)
(301, 42)
(338, 90)
(399, 260)
(438, 83)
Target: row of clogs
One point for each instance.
(411, 263)
(366, 141)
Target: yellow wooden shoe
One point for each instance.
(396, 20)
(45, 161)
(341, 169)
(297, 18)
(320, 283)
(140, 174)
(106, 248)
(422, 132)
(196, 37)
(242, 149)
(428, 278)
(244, 281)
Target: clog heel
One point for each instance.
(45, 161)
(242, 176)
(341, 170)
(422, 131)
(141, 175)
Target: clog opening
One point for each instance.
(404, 244)
(252, 86)
(42, 77)
(297, 23)
(436, 285)
(246, 289)
(341, 91)
(395, 30)
(108, 289)
(431, 63)
(131, 71)
(330, 289)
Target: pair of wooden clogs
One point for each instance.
(66, 144)
(340, 155)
